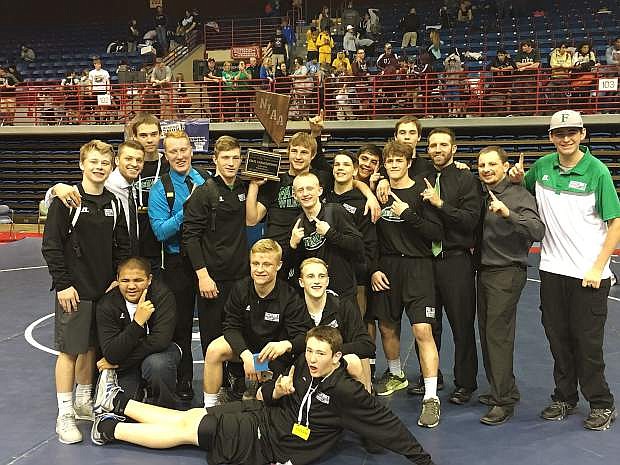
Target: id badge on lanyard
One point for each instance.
(300, 430)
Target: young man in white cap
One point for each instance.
(579, 205)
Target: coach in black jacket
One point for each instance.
(135, 325)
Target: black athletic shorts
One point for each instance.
(230, 433)
(74, 332)
(412, 288)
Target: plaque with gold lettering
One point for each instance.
(262, 164)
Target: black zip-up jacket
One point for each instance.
(87, 258)
(339, 248)
(412, 234)
(338, 403)
(251, 322)
(123, 341)
(217, 240)
(342, 314)
(460, 212)
(354, 203)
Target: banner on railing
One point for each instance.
(196, 129)
(240, 53)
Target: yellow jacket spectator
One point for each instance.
(342, 60)
(325, 43)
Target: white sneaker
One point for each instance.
(84, 411)
(107, 388)
(68, 432)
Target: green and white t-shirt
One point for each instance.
(574, 204)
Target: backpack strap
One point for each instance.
(168, 190)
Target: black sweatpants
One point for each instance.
(211, 314)
(499, 289)
(179, 276)
(456, 293)
(574, 320)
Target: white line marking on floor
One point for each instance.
(24, 268)
(31, 340)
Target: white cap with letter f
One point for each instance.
(566, 119)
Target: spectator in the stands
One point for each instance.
(528, 62)
(349, 41)
(612, 54)
(133, 35)
(465, 13)
(161, 29)
(288, 32)
(70, 89)
(281, 71)
(212, 77)
(243, 94)
(584, 62)
(342, 60)
(160, 80)
(7, 98)
(371, 24)
(350, 16)
(561, 62)
(188, 23)
(502, 67)
(181, 99)
(253, 68)
(387, 61)
(312, 52)
(363, 89)
(267, 70)
(12, 69)
(325, 43)
(409, 26)
(323, 20)
(27, 54)
(100, 82)
(584, 58)
(434, 49)
(278, 47)
(454, 83)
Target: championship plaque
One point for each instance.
(262, 164)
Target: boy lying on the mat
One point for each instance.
(301, 419)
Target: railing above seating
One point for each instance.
(227, 33)
(473, 94)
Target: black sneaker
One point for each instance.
(558, 410)
(96, 436)
(460, 396)
(185, 390)
(600, 418)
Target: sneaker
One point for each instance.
(96, 436)
(107, 389)
(600, 418)
(558, 410)
(431, 411)
(84, 411)
(391, 384)
(67, 430)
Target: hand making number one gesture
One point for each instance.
(497, 206)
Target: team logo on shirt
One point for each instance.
(275, 317)
(84, 210)
(333, 324)
(106, 212)
(221, 198)
(545, 177)
(247, 309)
(388, 215)
(241, 197)
(314, 241)
(322, 397)
(286, 199)
(350, 208)
(577, 185)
